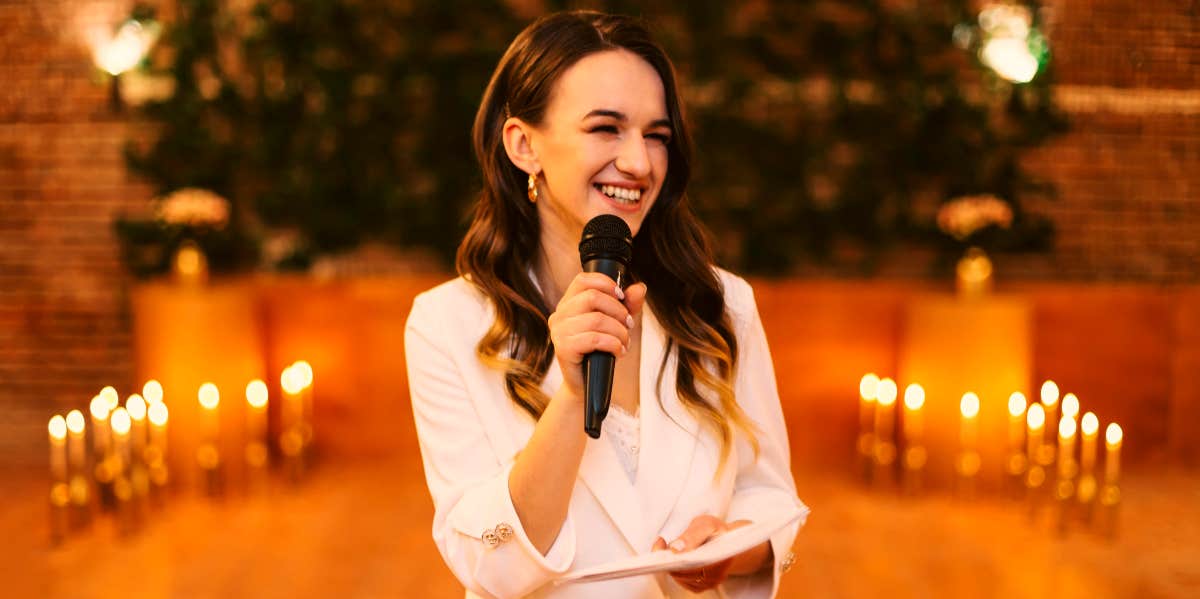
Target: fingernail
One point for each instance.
(624, 350)
(629, 320)
(677, 545)
(620, 293)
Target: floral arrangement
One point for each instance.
(964, 216)
(194, 207)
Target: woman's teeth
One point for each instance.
(621, 194)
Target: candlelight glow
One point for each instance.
(914, 397)
(210, 397)
(58, 428)
(868, 387)
(1066, 427)
(304, 373)
(136, 406)
(111, 399)
(120, 421)
(1113, 434)
(99, 408)
(1090, 424)
(886, 392)
(1016, 404)
(256, 393)
(1036, 416)
(75, 422)
(1070, 405)
(1049, 393)
(126, 48)
(152, 391)
(969, 406)
(290, 380)
(157, 413)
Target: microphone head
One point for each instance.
(606, 236)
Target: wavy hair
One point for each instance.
(671, 253)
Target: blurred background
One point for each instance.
(968, 196)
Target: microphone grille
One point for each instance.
(606, 236)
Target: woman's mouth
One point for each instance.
(621, 195)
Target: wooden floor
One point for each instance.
(362, 530)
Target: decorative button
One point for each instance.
(490, 538)
(504, 532)
(787, 562)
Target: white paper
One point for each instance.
(722, 547)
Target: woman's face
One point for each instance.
(602, 145)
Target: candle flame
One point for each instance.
(111, 399)
(1070, 405)
(1113, 434)
(1016, 404)
(75, 421)
(1066, 427)
(1090, 424)
(969, 406)
(58, 427)
(914, 396)
(1049, 393)
(158, 414)
(210, 397)
(290, 380)
(868, 387)
(136, 406)
(886, 392)
(99, 408)
(256, 393)
(1035, 417)
(152, 391)
(305, 373)
(120, 421)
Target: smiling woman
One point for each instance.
(582, 118)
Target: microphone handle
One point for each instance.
(598, 366)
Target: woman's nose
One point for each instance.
(633, 158)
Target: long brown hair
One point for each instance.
(671, 253)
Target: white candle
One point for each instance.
(868, 388)
(290, 440)
(1113, 438)
(1066, 447)
(58, 449)
(76, 443)
(1035, 418)
(1090, 427)
(885, 421)
(136, 406)
(101, 435)
(305, 375)
(120, 427)
(152, 391)
(256, 423)
(1049, 396)
(157, 414)
(210, 401)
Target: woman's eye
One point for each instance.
(604, 129)
(662, 138)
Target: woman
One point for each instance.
(581, 118)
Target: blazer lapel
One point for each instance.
(669, 432)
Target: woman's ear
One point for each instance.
(518, 144)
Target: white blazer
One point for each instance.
(470, 432)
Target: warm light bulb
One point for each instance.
(1090, 424)
(125, 49)
(914, 397)
(99, 408)
(1113, 434)
(210, 397)
(75, 422)
(886, 392)
(304, 373)
(1049, 393)
(256, 393)
(120, 421)
(136, 406)
(157, 413)
(868, 387)
(58, 428)
(152, 391)
(1036, 416)
(1066, 427)
(111, 399)
(1070, 405)
(290, 381)
(1010, 58)
(1016, 404)
(969, 406)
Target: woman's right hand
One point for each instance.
(593, 315)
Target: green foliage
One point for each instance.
(820, 126)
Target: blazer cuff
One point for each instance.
(509, 564)
(765, 583)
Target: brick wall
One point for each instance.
(1128, 176)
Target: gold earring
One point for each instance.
(533, 190)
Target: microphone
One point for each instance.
(606, 247)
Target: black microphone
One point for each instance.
(606, 247)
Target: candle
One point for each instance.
(120, 427)
(100, 429)
(156, 453)
(885, 450)
(1035, 419)
(136, 407)
(77, 442)
(1113, 438)
(152, 391)
(1049, 396)
(256, 423)
(305, 375)
(868, 388)
(914, 400)
(58, 449)
(1016, 433)
(110, 397)
(291, 411)
(968, 407)
(1070, 406)
(1066, 447)
(1089, 426)
(210, 400)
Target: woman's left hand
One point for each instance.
(700, 531)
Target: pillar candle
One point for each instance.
(868, 387)
(1089, 427)
(1113, 438)
(58, 449)
(76, 443)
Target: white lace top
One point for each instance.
(624, 432)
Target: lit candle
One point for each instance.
(136, 407)
(305, 375)
(58, 449)
(914, 451)
(256, 423)
(1049, 396)
(210, 400)
(152, 391)
(100, 430)
(156, 453)
(77, 442)
(120, 427)
(1070, 406)
(1066, 447)
(1089, 426)
(1113, 438)
(110, 397)
(1016, 433)
(1035, 419)
(885, 450)
(290, 440)
(868, 387)
(968, 434)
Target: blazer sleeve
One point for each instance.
(475, 525)
(763, 485)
